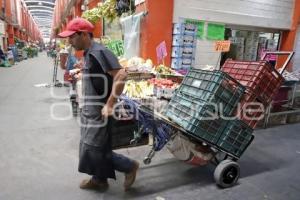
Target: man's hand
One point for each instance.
(74, 71)
(78, 64)
(78, 76)
(107, 111)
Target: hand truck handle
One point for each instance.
(290, 53)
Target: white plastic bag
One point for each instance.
(131, 28)
(185, 150)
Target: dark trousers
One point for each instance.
(121, 163)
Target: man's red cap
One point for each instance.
(77, 25)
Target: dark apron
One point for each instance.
(95, 151)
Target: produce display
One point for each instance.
(163, 83)
(103, 10)
(163, 88)
(165, 71)
(137, 64)
(138, 85)
(138, 89)
(162, 69)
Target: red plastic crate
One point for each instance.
(250, 110)
(281, 97)
(258, 76)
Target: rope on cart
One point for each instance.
(160, 130)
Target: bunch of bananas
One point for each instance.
(103, 10)
(140, 89)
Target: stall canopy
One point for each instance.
(42, 12)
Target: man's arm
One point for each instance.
(119, 77)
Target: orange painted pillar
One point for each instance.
(78, 11)
(156, 27)
(98, 26)
(10, 31)
(289, 37)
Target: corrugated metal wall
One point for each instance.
(272, 14)
(275, 14)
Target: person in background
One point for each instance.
(2, 55)
(71, 60)
(10, 55)
(103, 81)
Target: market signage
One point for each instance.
(215, 31)
(222, 46)
(161, 51)
(116, 46)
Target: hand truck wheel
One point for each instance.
(148, 158)
(227, 173)
(147, 161)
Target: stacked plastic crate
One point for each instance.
(262, 81)
(183, 46)
(205, 104)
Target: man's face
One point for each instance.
(77, 40)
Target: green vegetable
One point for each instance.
(103, 10)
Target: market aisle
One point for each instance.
(37, 153)
(38, 158)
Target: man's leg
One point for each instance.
(129, 167)
(95, 183)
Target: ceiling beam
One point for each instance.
(40, 11)
(40, 8)
(43, 18)
(43, 2)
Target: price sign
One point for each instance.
(116, 46)
(222, 46)
(161, 51)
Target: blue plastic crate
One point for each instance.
(177, 51)
(182, 63)
(176, 63)
(177, 40)
(182, 28)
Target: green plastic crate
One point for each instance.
(214, 87)
(236, 137)
(199, 119)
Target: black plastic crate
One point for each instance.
(236, 137)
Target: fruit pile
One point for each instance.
(162, 69)
(140, 89)
(105, 10)
(162, 83)
(137, 64)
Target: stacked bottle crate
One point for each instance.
(183, 46)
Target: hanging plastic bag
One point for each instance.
(131, 27)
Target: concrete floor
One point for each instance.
(38, 158)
